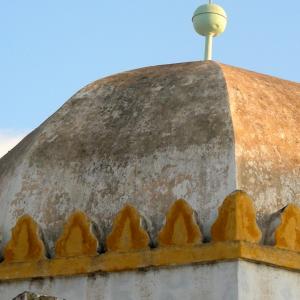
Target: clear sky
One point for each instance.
(51, 48)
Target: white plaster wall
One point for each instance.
(260, 282)
(211, 282)
(226, 280)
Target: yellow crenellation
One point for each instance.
(181, 228)
(127, 233)
(236, 220)
(235, 235)
(25, 243)
(287, 235)
(77, 238)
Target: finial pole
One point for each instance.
(208, 47)
(208, 43)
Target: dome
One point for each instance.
(147, 137)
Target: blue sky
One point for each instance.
(51, 48)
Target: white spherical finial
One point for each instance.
(209, 20)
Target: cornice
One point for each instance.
(235, 236)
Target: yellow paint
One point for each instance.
(236, 220)
(160, 257)
(287, 235)
(77, 238)
(127, 233)
(181, 228)
(235, 235)
(180, 233)
(25, 243)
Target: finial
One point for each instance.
(209, 20)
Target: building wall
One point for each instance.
(225, 280)
(260, 282)
(216, 281)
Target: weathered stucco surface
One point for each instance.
(265, 113)
(196, 131)
(227, 281)
(147, 137)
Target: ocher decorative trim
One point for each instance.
(77, 238)
(127, 233)
(236, 220)
(166, 256)
(235, 235)
(181, 228)
(25, 243)
(287, 235)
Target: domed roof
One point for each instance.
(147, 137)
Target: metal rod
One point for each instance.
(208, 47)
